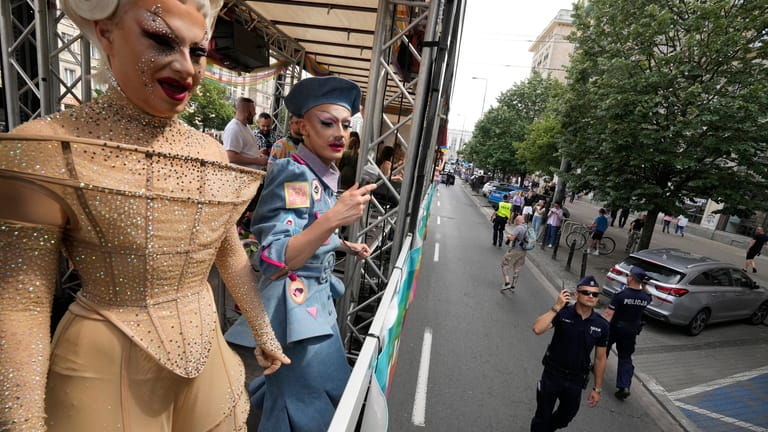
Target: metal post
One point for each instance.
(571, 250)
(584, 257)
(10, 83)
(557, 243)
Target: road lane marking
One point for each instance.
(681, 394)
(720, 417)
(438, 220)
(438, 203)
(437, 252)
(420, 398)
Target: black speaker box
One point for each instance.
(235, 47)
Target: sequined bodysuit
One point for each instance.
(146, 219)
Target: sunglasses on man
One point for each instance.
(594, 294)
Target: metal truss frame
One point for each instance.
(429, 94)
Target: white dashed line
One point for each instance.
(438, 220)
(418, 417)
(437, 252)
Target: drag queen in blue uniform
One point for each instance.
(296, 222)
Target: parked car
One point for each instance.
(495, 196)
(692, 290)
(488, 187)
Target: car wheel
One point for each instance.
(759, 315)
(698, 322)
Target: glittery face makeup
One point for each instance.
(326, 130)
(157, 53)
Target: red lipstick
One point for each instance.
(174, 88)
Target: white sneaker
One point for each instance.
(596, 252)
(589, 250)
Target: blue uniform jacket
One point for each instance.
(574, 340)
(294, 197)
(628, 306)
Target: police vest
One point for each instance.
(505, 209)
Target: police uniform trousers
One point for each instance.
(99, 381)
(624, 336)
(498, 229)
(555, 386)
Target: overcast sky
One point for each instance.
(496, 38)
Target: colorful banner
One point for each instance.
(228, 77)
(398, 309)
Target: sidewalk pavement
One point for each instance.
(713, 382)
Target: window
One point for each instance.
(95, 53)
(69, 75)
(716, 277)
(655, 271)
(65, 37)
(740, 279)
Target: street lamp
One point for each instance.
(485, 91)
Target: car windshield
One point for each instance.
(657, 272)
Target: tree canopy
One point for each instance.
(495, 143)
(208, 108)
(667, 103)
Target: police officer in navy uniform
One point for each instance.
(625, 314)
(578, 329)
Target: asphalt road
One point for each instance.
(484, 360)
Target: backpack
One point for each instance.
(529, 241)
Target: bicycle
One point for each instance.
(633, 241)
(581, 235)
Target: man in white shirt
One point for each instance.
(241, 146)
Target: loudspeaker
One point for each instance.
(235, 47)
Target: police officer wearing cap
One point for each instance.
(625, 314)
(578, 329)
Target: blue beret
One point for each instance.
(638, 273)
(588, 281)
(314, 91)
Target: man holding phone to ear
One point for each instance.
(578, 329)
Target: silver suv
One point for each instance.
(692, 290)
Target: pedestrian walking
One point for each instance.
(625, 313)
(578, 329)
(668, 218)
(623, 216)
(500, 220)
(614, 213)
(515, 256)
(755, 248)
(680, 225)
(554, 220)
(517, 203)
(538, 216)
(599, 226)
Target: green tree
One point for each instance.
(492, 146)
(541, 148)
(667, 103)
(208, 108)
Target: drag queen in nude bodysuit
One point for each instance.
(143, 206)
